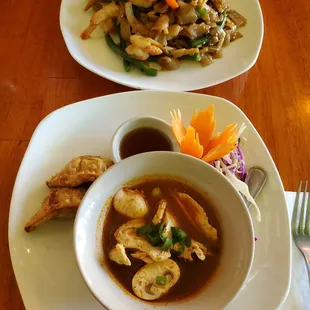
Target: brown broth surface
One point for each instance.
(194, 275)
(144, 140)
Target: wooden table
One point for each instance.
(37, 76)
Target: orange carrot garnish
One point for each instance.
(190, 143)
(197, 140)
(220, 151)
(223, 137)
(173, 4)
(204, 124)
(177, 125)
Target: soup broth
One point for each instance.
(196, 274)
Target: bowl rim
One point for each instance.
(136, 157)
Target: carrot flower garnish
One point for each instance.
(190, 143)
(204, 124)
(178, 128)
(198, 140)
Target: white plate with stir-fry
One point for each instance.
(166, 44)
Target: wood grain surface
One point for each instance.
(37, 76)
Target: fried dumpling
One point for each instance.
(62, 202)
(80, 170)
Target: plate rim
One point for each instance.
(133, 85)
(37, 129)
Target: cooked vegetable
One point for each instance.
(205, 39)
(161, 280)
(201, 12)
(156, 192)
(139, 64)
(178, 234)
(123, 45)
(174, 30)
(169, 63)
(144, 230)
(195, 57)
(201, 41)
(167, 244)
(155, 235)
(149, 284)
(172, 3)
(242, 188)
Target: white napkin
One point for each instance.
(299, 295)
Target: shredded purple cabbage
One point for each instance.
(235, 163)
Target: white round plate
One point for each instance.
(95, 55)
(44, 261)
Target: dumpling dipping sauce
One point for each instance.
(141, 135)
(161, 240)
(143, 140)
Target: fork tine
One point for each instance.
(301, 227)
(307, 230)
(295, 221)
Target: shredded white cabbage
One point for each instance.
(241, 129)
(242, 187)
(218, 166)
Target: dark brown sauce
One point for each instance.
(195, 275)
(143, 140)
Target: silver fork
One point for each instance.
(301, 224)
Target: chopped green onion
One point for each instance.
(154, 240)
(187, 242)
(161, 280)
(178, 234)
(167, 245)
(156, 192)
(161, 231)
(142, 231)
(202, 11)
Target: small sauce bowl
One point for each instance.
(140, 135)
